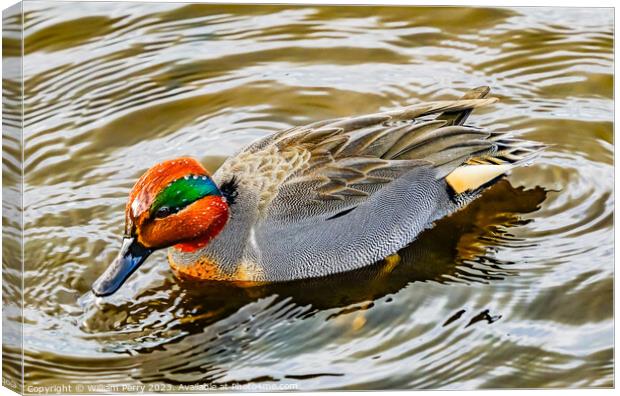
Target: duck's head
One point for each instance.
(175, 203)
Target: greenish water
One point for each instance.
(514, 291)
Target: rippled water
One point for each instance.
(514, 291)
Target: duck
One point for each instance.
(316, 200)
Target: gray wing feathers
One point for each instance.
(351, 159)
(373, 183)
(378, 227)
(344, 125)
(459, 117)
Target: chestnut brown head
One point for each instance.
(175, 203)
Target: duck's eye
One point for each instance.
(163, 212)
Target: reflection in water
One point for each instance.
(513, 291)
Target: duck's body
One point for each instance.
(331, 196)
(341, 194)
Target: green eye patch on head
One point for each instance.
(181, 193)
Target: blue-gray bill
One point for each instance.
(131, 256)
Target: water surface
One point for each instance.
(514, 291)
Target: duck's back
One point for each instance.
(341, 194)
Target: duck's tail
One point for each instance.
(481, 171)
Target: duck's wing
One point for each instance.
(343, 193)
(338, 164)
